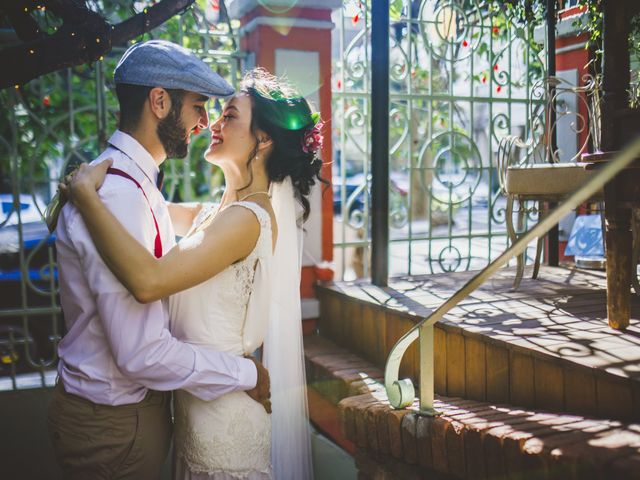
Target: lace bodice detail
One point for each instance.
(230, 435)
(205, 212)
(213, 312)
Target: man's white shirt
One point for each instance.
(116, 348)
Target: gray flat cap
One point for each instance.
(158, 63)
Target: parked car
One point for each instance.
(28, 205)
(355, 187)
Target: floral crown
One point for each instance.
(285, 107)
(312, 139)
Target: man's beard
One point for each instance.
(172, 133)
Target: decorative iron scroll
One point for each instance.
(461, 78)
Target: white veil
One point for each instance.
(283, 351)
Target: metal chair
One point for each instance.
(530, 172)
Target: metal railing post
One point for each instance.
(380, 142)
(401, 393)
(554, 234)
(427, 368)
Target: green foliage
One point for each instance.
(634, 47)
(525, 10)
(522, 11)
(64, 118)
(594, 27)
(395, 10)
(505, 22)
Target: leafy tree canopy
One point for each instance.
(47, 35)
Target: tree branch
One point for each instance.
(84, 37)
(145, 22)
(69, 11)
(23, 23)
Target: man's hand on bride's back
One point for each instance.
(261, 393)
(85, 180)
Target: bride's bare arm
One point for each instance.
(182, 216)
(230, 237)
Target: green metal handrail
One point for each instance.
(401, 393)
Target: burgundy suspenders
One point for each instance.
(158, 243)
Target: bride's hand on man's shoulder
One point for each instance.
(85, 180)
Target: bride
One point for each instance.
(234, 281)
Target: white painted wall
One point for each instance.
(302, 69)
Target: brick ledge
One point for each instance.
(470, 439)
(479, 440)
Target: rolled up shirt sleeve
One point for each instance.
(144, 350)
(137, 334)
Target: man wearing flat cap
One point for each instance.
(110, 416)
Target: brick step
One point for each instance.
(470, 439)
(336, 373)
(536, 347)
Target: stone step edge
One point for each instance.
(472, 439)
(335, 372)
(453, 328)
(469, 439)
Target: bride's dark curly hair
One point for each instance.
(283, 114)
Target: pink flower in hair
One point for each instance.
(312, 140)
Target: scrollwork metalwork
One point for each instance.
(451, 30)
(462, 78)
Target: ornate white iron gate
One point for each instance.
(461, 76)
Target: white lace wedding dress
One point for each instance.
(230, 437)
